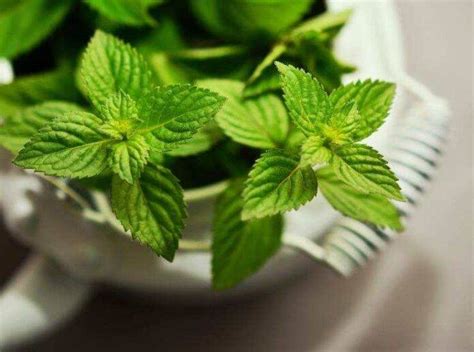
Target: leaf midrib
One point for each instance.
(73, 148)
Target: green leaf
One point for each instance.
(128, 158)
(164, 38)
(328, 22)
(128, 12)
(120, 113)
(202, 141)
(152, 209)
(268, 81)
(25, 23)
(245, 20)
(306, 100)
(166, 71)
(343, 124)
(109, 66)
(189, 65)
(373, 100)
(19, 128)
(173, 114)
(295, 139)
(240, 248)
(71, 146)
(277, 183)
(345, 117)
(261, 122)
(318, 58)
(119, 106)
(361, 206)
(25, 91)
(308, 44)
(363, 168)
(313, 152)
(277, 51)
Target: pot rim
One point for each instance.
(205, 192)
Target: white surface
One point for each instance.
(39, 297)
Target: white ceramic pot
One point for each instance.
(92, 253)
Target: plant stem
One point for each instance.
(67, 190)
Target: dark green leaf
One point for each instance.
(240, 248)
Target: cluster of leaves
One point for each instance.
(142, 113)
(134, 120)
(31, 21)
(327, 153)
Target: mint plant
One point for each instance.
(207, 93)
(135, 118)
(284, 180)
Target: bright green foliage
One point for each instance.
(20, 27)
(314, 152)
(145, 116)
(20, 127)
(363, 168)
(203, 140)
(281, 181)
(349, 201)
(34, 89)
(152, 209)
(240, 248)
(373, 100)
(128, 12)
(73, 145)
(128, 158)
(172, 115)
(295, 139)
(307, 102)
(261, 122)
(120, 115)
(277, 183)
(137, 122)
(343, 124)
(110, 66)
(119, 107)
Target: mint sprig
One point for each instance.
(135, 119)
(330, 126)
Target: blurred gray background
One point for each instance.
(416, 297)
